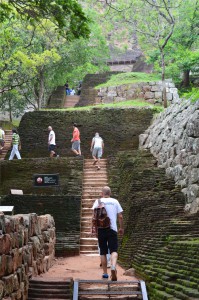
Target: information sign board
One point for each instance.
(45, 180)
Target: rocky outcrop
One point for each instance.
(173, 139)
(149, 91)
(26, 249)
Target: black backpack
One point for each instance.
(100, 217)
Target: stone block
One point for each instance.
(16, 282)
(45, 222)
(146, 88)
(151, 101)
(156, 88)
(2, 223)
(149, 95)
(2, 265)
(108, 99)
(5, 244)
(158, 95)
(98, 100)
(9, 265)
(169, 96)
(119, 99)
(8, 284)
(171, 85)
(1, 289)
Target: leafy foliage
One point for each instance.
(67, 15)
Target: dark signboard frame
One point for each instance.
(46, 180)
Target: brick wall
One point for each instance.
(119, 128)
(160, 240)
(18, 174)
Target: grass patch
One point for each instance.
(124, 104)
(6, 125)
(192, 94)
(130, 77)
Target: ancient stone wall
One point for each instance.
(160, 239)
(173, 139)
(18, 174)
(26, 249)
(88, 91)
(119, 128)
(149, 91)
(65, 211)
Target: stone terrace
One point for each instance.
(161, 241)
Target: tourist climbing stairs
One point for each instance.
(93, 181)
(7, 145)
(52, 289)
(106, 289)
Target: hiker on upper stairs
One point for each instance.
(2, 139)
(51, 142)
(16, 144)
(76, 140)
(97, 148)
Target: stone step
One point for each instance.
(88, 241)
(89, 247)
(90, 252)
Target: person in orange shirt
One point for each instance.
(76, 140)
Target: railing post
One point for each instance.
(75, 290)
(143, 290)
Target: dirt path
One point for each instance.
(80, 267)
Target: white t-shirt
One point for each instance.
(72, 92)
(51, 133)
(113, 208)
(2, 133)
(98, 141)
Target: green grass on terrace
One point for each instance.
(131, 77)
(124, 104)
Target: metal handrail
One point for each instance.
(140, 283)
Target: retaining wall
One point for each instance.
(149, 91)
(160, 239)
(65, 211)
(119, 128)
(26, 249)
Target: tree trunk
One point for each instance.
(41, 89)
(186, 78)
(164, 95)
(10, 110)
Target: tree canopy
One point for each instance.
(67, 15)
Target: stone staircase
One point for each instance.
(56, 289)
(8, 140)
(71, 101)
(93, 181)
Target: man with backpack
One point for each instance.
(104, 225)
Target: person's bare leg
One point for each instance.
(52, 153)
(98, 163)
(75, 151)
(95, 159)
(114, 257)
(104, 263)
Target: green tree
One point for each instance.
(67, 15)
(183, 50)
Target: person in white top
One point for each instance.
(107, 237)
(51, 142)
(2, 139)
(72, 92)
(97, 148)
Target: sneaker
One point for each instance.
(108, 265)
(105, 276)
(113, 274)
